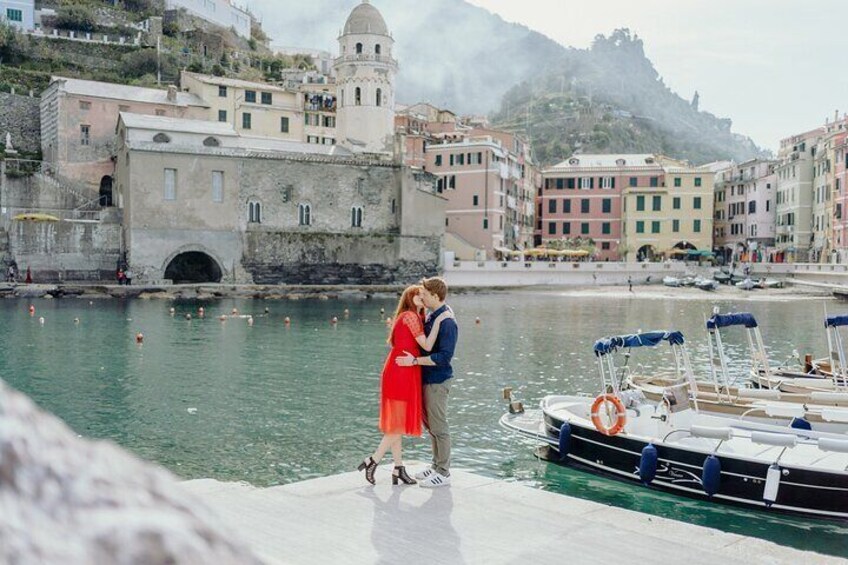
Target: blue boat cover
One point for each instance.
(724, 320)
(609, 344)
(833, 321)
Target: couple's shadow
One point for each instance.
(404, 532)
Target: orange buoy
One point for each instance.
(201, 312)
(620, 414)
(139, 337)
(31, 310)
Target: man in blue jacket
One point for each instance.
(436, 376)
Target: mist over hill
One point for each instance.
(456, 55)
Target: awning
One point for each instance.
(724, 320)
(608, 345)
(833, 321)
(36, 217)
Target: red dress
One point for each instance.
(400, 388)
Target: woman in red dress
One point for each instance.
(400, 387)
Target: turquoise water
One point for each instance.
(271, 404)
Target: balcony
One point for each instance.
(784, 230)
(366, 58)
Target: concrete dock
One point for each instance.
(341, 519)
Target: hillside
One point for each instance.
(456, 55)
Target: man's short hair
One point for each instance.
(437, 286)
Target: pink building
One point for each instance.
(840, 197)
(582, 197)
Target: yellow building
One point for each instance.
(669, 215)
(252, 108)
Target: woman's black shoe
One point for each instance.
(399, 474)
(369, 466)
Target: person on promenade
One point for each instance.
(128, 276)
(11, 275)
(400, 386)
(436, 374)
(28, 276)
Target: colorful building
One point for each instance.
(840, 198)
(794, 198)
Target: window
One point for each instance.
(222, 115)
(379, 97)
(85, 135)
(606, 228)
(284, 125)
(377, 49)
(245, 120)
(675, 203)
(607, 182)
(657, 203)
(634, 181)
(217, 186)
(697, 181)
(551, 228)
(552, 206)
(655, 227)
(452, 181)
(587, 182)
(267, 98)
(485, 223)
(254, 212)
(752, 207)
(606, 205)
(697, 226)
(222, 91)
(675, 226)
(438, 160)
(768, 205)
(304, 214)
(566, 228)
(87, 105)
(566, 206)
(677, 182)
(359, 49)
(14, 15)
(584, 205)
(330, 122)
(161, 138)
(697, 203)
(160, 112)
(655, 182)
(584, 228)
(605, 245)
(640, 226)
(170, 192)
(250, 96)
(569, 183)
(357, 95)
(640, 203)
(476, 200)
(356, 217)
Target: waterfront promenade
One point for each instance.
(340, 519)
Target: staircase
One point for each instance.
(80, 192)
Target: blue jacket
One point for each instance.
(442, 351)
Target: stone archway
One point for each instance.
(192, 267)
(105, 193)
(646, 253)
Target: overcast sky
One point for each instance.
(775, 67)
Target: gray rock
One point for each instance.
(73, 501)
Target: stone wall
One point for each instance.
(66, 251)
(21, 117)
(331, 258)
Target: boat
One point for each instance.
(722, 277)
(706, 284)
(671, 447)
(688, 280)
(773, 283)
(671, 281)
(746, 284)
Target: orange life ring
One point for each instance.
(620, 414)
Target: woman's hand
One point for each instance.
(448, 313)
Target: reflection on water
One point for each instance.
(271, 404)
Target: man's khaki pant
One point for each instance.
(436, 422)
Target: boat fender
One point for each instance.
(800, 424)
(772, 484)
(711, 475)
(648, 464)
(564, 439)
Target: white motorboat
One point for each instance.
(746, 284)
(671, 281)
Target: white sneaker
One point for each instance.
(435, 480)
(421, 475)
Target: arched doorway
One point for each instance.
(193, 267)
(105, 191)
(685, 246)
(646, 253)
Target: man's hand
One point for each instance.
(405, 360)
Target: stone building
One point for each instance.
(365, 83)
(219, 12)
(203, 202)
(78, 119)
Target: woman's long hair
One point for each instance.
(405, 304)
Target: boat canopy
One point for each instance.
(833, 321)
(608, 345)
(723, 320)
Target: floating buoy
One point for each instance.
(648, 464)
(139, 337)
(201, 312)
(477, 321)
(388, 322)
(267, 310)
(235, 312)
(188, 316)
(76, 320)
(382, 311)
(223, 317)
(191, 410)
(41, 320)
(711, 475)
(334, 320)
(31, 310)
(564, 440)
(346, 312)
(172, 311)
(250, 321)
(287, 321)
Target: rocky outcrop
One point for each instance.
(68, 500)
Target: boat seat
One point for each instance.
(761, 393)
(832, 444)
(819, 396)
(723, 433)
(784, 410)
(834, 415)
(771, 438)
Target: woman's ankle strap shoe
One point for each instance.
(369, 466)
(400, 474)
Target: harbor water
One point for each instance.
(273, 403)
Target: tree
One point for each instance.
(76, 18)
